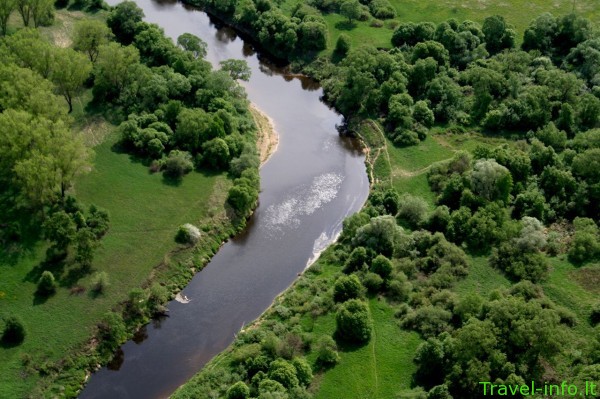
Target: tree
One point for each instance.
(491, 180)
(381, 235)
(60, 229)
(89, 36)
(327, 354)
(353, 322)
(343, 44)
(24, 7)
(239, 390)
(85, 245)
(350, 9)
(192, 44)
(14, 330)
(178, 164)
(382, 266)
(303, 371)
(283, 372)
(71, 69)
(123, 20)
(112, 71)
(498, 34)
(347, 287)
(6, 9)
(42, 12)
(46, 284)
(541, 34)
(237, 69)
(586, 241)
(413, 210)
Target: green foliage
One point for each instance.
(178, 164)
(381, 266)
(123, 20)
(89, 35)
(350, 9)
(347, 287)
(586, 241)
(353, 322)
(381, 235)
(327, 354)
(413, 210)
(239, 390)
(46, 285)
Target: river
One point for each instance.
(314, 180)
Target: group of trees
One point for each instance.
(181, 114)
(40, 155)
(304, 32)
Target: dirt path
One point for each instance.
(268, 138)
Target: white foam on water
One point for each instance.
(305, 201)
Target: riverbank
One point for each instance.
(268, 137)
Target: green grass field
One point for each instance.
(518, 13)
(377, 370)
(145, 213)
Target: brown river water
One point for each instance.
(309, 185)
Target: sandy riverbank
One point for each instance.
(268, 138)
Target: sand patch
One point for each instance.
(268, 138)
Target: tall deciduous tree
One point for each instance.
(6, 8)
(89, 36)
(69, 72)
(350, 9)
(192, 44)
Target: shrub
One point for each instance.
(46, 284)
(585, 245)
(373, 282)
(187, 234)
(178, 164)
(99, 282)
(382, 266)
(327, 354)
(303, 370)
(239, 390)
(356, 260)
(342, 46)
(111, 332)
(346, 287)
(14, 330)
(353, 322)
(283, 372)
(413, 210)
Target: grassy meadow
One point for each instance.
(145, 213)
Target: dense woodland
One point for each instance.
(520, 205)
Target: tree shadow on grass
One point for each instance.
(55, 266)
(172, 181)
(73, 275)
(345, 25)
(4, 344)
(346, 346)
(40, 299)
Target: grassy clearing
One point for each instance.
(384, 365)
(518, 13)
(145, 213)
(563, 286)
